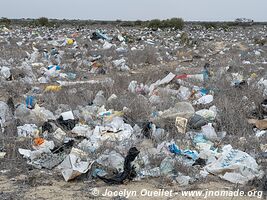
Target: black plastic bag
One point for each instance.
(67, 125)
(147, 130)
(128, 173)
(47, 127)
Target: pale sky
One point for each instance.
(189, 10)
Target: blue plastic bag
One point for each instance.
(30, 102)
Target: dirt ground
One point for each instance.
(47, 185)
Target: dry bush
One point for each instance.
(138, 105)
(72, 95)
(11, 52)
(10, 144)
(120, 85)
(172, 133)
(105, 53)
(14, 89)
(183, 168)
(5, 21)
(175, 23)
(148, 55)
(167, 101)
(233, 110)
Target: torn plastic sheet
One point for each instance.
(235, 166)
(165, 80)
(75, 164)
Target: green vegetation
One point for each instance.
(43, 21)
(138, 23)
(172, 23)
(5, 21)
(175, 23)
(210, 25)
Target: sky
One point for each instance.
(189, 10)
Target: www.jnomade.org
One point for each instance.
(170, 193)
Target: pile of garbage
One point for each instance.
(95, 139)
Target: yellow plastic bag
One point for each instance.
(52, 88)
(70, 41)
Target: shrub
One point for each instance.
(43, 21)
(118, 21)
(127, 24)
(138, 23)
(232, 23)
(155, 24)
(5, 21)
(210, 25)
(176, 23)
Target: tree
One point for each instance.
(42, 21)
(5, 21)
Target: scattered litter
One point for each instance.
(181, 124)
(128, 170)
(75, 164)
(2, 154)
(235, 166)
(122, 103)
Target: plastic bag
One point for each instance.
(128, 169)
(209, 132)
(235, 166)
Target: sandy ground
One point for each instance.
(43, 186)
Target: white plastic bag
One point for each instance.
(204, 100)
(235, 166)
(209, 132)
(75, 164)
(5, 72)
